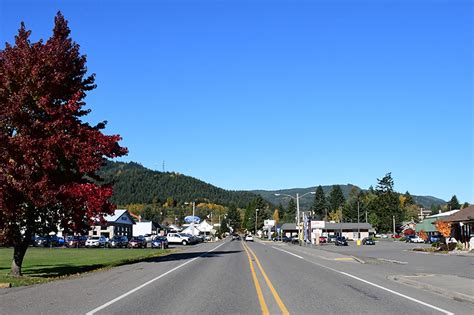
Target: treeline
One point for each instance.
(379, 206)
(135, 184)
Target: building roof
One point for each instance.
(443, 214)
(426, 225)
(347, 226)
(466, 214)
(288, 226)
(117, 215)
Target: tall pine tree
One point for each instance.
(319, 204)
(336, 198)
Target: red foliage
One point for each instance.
(409, 232)
(48, 156)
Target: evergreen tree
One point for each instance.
(319, 204)
(248, 223)
(454, 204)
(465, 205)
(290, 214)
(336, 198)
(281, 212)
(386, 205)
(409, 199)
(234, 218)
(224, 225)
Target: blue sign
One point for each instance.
(191, 219)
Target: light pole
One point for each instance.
(297, 198)
(256, 218)
(358, 221)
(194, 208)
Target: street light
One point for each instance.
(297, 198)
(194, 208)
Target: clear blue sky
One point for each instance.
(280, 94)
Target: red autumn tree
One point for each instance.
(444, 228)
(48, 155)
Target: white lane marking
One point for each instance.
(282, 250)
(148, 282)
(375, 285)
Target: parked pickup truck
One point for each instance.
(179, 238)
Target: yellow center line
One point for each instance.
(263, 305)
(282, 306)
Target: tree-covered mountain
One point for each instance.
(307, 201)
(133, 183)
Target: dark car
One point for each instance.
(76, 241)
(341, 241)
(118, 242)
(284, 239)
(159, 242)
(295, 240)
(331, 238)
(368, 241)
(236, 237)
(37, 241)
(434, 239)
(137, 242)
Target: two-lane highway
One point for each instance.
(229, 277)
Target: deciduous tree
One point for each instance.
(48, 155)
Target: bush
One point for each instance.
(459, 246)
(435, 244)
(402, 239)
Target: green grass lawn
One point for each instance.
(45, 264)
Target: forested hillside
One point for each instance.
(134, 183)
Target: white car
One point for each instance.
(249, 238)
(178, 238)
(417, 239)
(97, 241)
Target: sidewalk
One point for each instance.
(455, 287)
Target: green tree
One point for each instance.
(319, 204)
(336, 198)
(454, 204)
(386, 205)
(281, 212)
(290, 214)
(465, 205)
(248, 223)
(234, 218)
(224, 225)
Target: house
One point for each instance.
(289, 229)
(120, 223)
(462, 226)
(428, 224)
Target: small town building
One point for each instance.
(462, 226)
(428, 224)
(350, 231)
(118, 224)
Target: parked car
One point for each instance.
(331, 238)
(249, 238)
(159, 242)
(149, 237)
(97, 241)
(396, 236)
(37, 241)
(200, 238)
(118, 242)
(137, 242)
(53, 241)
(434, 239)
(76, 241)
(323, 239)
(416, 239)
(295, 239)
(284, 239)
(341, 241)
(179, 238)
(368, 241)
(193, 239)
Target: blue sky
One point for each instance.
(280, 94)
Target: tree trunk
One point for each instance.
(19, 251)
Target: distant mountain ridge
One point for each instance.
(307, 201)
(134, 183)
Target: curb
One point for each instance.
(446, 293)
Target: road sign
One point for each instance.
(317, 224)
(269, 223)
(191, 219)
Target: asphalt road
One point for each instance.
(232, 277)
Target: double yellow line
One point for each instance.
(277, 298)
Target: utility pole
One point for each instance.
(358, 221)
(256, 218)
(393, 225)
(298, 217)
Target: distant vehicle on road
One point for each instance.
(159, 242)
(368, 241)
(249, 238)
(97, 241)
(284, 239)
(137, 242)
(236, 237)
(416, 239)
(341, 241)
